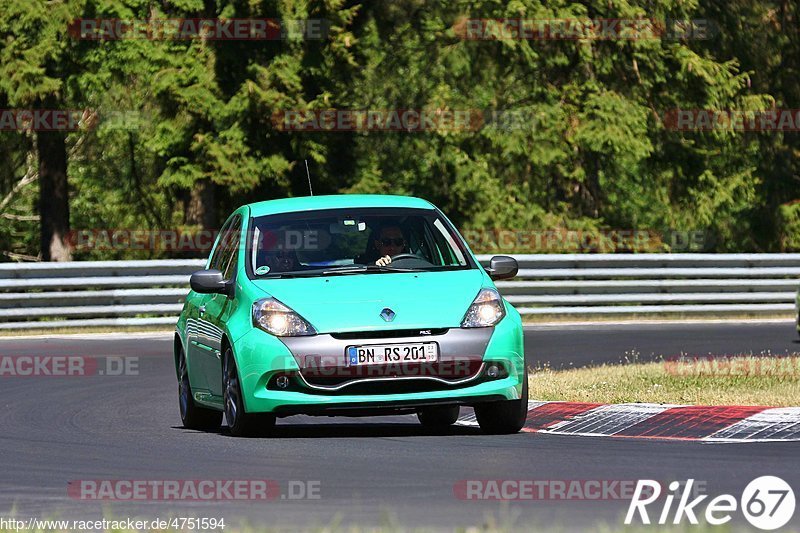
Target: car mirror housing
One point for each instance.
(502, 267)
(208, 282)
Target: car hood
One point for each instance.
(354, 302)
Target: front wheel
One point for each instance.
(498, 418)
(240, 423)
(192, 416)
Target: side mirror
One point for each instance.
(208, 282)
(502, 267)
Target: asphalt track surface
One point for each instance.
(370, 471)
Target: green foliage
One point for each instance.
(789, 216)
(572, 137)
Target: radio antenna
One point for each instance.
(308, 174)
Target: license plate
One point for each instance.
(381, 354)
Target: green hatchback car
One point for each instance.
(349, 305)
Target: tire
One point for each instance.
(192, 416)
(438, 417)
(241, 423)
(502, 418)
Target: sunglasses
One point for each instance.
(396, 242)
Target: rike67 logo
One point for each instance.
(767, 503)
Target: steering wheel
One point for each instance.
(406, 256)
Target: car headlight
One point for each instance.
(273, 317)
(486, 310)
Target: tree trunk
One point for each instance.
(200, 208)
(53, 196)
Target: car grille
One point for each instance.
(389, 334)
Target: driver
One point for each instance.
(389, 242)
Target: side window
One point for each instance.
(437, 252)
(230, 267)
(213, 262)
(227, 250)
(447, 244)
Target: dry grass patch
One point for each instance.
(770, 381)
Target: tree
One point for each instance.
(571, 133)
(35, 65)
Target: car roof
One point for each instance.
(336, 201)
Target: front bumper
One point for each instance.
(379, 408)
(476, 366)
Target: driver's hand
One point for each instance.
(383, 261)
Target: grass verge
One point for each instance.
(770, 381)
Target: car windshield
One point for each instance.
(352, 241)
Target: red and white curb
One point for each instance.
(660, 421)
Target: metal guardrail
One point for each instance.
(692, 284)
(144, 293)
(93, 293)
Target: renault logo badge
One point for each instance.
(387, 314)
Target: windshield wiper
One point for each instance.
(338, 271)
(277, 275)
(366, 268)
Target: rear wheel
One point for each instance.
(240, 423)
(506, 416)
(192, 416)
(438, 417)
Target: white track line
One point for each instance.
(779, 424)
(607, 420)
